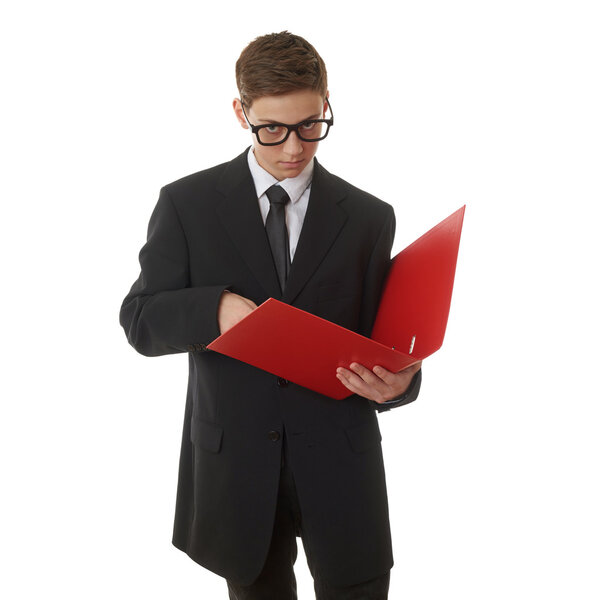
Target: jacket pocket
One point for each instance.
(207, 436)
(364, 437)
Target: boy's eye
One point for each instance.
(273, 129)
(309, 125)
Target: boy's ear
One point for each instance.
(239, 113)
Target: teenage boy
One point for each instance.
(264, 460)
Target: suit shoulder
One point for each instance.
(360, 199)
(201, 189)
(194, 182)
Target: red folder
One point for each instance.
(410, 323)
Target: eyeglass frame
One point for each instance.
(256, 128)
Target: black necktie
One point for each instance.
(277, 232)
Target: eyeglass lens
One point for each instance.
(309, 132)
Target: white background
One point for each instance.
(493, 472)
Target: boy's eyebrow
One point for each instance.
(315, 116)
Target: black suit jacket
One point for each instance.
(206, 235)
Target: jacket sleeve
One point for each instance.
(409, 396)
(379, 266)
(162, 314)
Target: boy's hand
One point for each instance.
(232, 309)
(379, 385)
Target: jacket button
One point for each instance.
(281, 382)
(274, 436)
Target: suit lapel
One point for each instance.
(322, 224)
(240, 214)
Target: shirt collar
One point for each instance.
(294, 186)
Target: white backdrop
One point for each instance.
(493, 472)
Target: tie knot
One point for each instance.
(277, 195)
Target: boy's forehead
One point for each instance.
(291, 107)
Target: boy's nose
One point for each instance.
(293, 145)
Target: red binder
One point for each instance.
(410, 324)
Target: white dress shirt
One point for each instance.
(297, 188)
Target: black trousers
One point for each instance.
(277, 580)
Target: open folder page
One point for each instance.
(410, 324)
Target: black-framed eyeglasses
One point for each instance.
(272, 134)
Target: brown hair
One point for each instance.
(278, 63)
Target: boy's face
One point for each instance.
(290, 158)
